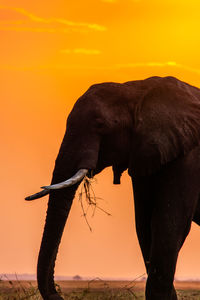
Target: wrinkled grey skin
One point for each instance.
(152, 128)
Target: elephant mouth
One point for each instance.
(80, 174)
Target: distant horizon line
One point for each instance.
(28, 276)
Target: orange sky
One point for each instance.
(51, 52)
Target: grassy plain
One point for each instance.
(92, 290)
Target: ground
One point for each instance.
(92, 290)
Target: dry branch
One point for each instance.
(88, 198)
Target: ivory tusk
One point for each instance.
(37, 195)
(67, 183)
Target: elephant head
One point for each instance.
(138, 125)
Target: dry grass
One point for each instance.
(18, 290)
(88, 199)
(96, 289)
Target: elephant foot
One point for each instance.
(55, 297)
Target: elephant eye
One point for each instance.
(99, 125)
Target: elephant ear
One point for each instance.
(167, 125)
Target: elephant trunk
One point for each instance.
(58, 209)
(73, 156)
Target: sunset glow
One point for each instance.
(51, 52)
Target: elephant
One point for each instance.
(151, 128)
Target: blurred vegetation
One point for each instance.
(21, 290)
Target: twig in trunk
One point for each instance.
(88, 196)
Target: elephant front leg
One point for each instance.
(144, 210)
(161, 271)
(168, 291)
(174, 204)
(165, 246)
(143, 213)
